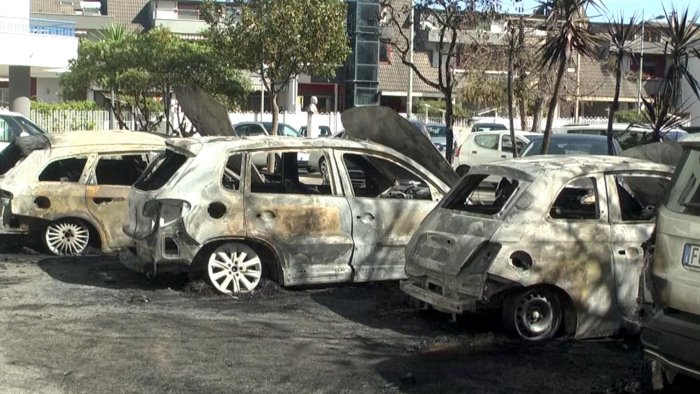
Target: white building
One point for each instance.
(688, 97)
(34, 54)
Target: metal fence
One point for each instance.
(59, 121)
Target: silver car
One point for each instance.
(204, 206)
(556, 244)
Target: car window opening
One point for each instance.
(640, 196)
(374, 177)
(578, 201)
(232, 172)
(120, 170)
(66, 170)
(285, 179)
(479, 193)
(160, 171)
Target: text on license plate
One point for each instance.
(691, 256)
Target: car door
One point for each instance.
(107, 191)
(388, 200)
(59, 190)
(575, 252)
(633, 199)
(483, 148)
(306, 219)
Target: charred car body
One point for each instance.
(556, 245)
(204, 205)
(71, 189)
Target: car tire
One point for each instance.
(533, 315)
(67, 237)
(234, 268)
(463, 170)
(323, 169)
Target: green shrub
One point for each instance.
(85, 105)
(630, 116)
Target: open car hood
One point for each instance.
(207, 115)
(384, 126)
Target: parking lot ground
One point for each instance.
(89, 325)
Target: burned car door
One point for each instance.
(576, 252)
(107, 191)
(388, 200)
(59, 192)
(633, 200)
(307, 220)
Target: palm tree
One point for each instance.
(620, 35)
(567, 32)
(681, 37)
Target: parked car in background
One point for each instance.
(323, 131)
(628, 135)
(482, 126)
(251, 129)
(438, 136)
(247, 129)
(203, 206)
(420, 126)
(13, 125)
(486, 147)
(670, 310)
(556, 245)
(317, 161)
(571, 144)
(72, 189)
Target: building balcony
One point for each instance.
(42, 44)
(182, 25)
(37, 26)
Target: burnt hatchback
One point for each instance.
(555, 242)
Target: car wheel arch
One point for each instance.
(570, 318)
(97, 236)
(273, 263)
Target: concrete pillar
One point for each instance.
(20, 89)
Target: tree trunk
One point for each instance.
(509, 88)
(537, 113)
(614, 105)
(449, 121)
(522, 110)
(552, 106)
(275, 112)
(275, 126)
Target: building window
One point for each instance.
(188, 11)
(385, 52)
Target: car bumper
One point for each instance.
(441, 302)
(672, 339)
(165, 250)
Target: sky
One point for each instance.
(651, 8)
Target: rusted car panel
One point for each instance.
(314, 230)
(58, 181)
(464, 258)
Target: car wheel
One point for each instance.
(533, 315)
(323, 168)
(462, 170)
(234, 268)
(67, 237)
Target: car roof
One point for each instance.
(111, 137)
(604, 126)
(6, 112)
(579, 137)
(525, 134)
(572, 166)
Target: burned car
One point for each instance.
(204, 206)
(556, 243)
(71, 189)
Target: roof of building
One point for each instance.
(393, 76)
(597, 82)
(133, 13)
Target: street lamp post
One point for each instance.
(641, 60)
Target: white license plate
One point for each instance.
(691, 256)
